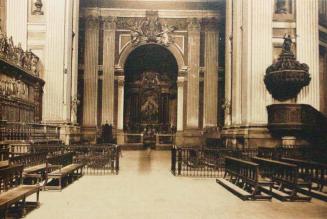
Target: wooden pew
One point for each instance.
(4, 155)
(12, 192)
(34, 166)
(314, 172)
(62, 169)
(287, 178)
(245, 179)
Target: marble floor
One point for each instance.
(145, 188)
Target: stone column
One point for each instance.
(307, 48)
(180, 104)
(192, 120)
(228, 62)
(120, 116)
(108, 83)
(236, 63)
(91, 72)
(74, 94)
(211, 73)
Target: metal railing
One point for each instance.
(97, 159)
(204, 162)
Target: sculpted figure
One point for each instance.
(287, 45)
(34, 64)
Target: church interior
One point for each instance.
(163, 108)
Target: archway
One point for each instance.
(150, 90)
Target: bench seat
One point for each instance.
(35, 169)
(13, 195)
(66, 170)
(63, 174)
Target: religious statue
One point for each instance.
(287, 45)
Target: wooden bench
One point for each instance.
(286, 177)
(314, 172)
(12, 192)
(246, 176)
(34, 166)
(60, 168)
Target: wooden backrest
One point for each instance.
(28, 160)
(277, 169)
(61, 159)
(247, 169)
(10, 177)
(308, 168)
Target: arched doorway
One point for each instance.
(150, 102)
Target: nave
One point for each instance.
(145, 188)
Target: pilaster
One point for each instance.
(17, 22)
(91, 72)
(192, 120)
(108, 70)
(211, 73)
(228, 62)
(307, 48)
(74, 94)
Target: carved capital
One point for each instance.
(210, 24)
(120, 81)
(194, 24)
(92, 22)
(109, 23)
(180, 81)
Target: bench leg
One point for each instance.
(38, 197)
(60, 186)
(23, 207)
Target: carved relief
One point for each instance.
(148, 29)
(11, 87)
(16, 55)
(38, 7)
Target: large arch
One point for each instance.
(172, 48)
(150, 96)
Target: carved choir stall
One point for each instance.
(21, 88)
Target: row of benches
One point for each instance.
(22, 175)
(261, 178)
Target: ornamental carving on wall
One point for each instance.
(149, 29)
